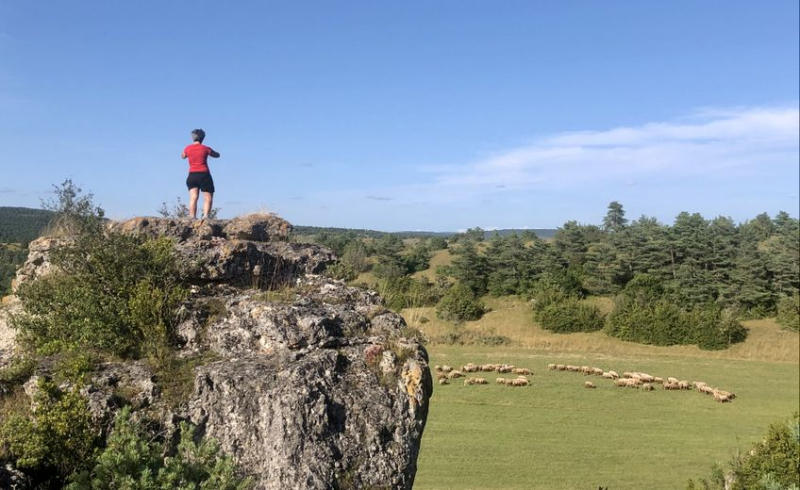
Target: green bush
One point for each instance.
(115, 293)
(56, 440)
(459, 304)
(130, 460)
(570, 315)
(772, 464)
(789, 312)
(644, 312)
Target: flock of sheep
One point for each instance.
(645, 381)
(445, 374)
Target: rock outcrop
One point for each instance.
(307, 383)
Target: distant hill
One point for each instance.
(21, 225)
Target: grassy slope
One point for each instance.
(556, 434)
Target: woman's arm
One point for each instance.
(183, 155)
(213, 154)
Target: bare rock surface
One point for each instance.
(306, 382)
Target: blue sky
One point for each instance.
(408, 115)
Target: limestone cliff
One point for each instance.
(308, 383)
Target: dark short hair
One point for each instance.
(198, 135)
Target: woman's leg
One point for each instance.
(194, 193)
(208, 200)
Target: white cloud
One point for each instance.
(705, 143)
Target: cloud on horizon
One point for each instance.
(706, 143)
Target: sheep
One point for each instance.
(726, 394)
(613, 374)
(441, 376)
(561, 367)
(588, 384)
(488, 368)
(551, 367)
(646, 377)
(698, 384)
(586, 370)
(721, 397)
(684, 385)
(627, 374)
(572, 368)
(500, 381)
(608, 376)
(444, 381)
(446, 368)
(658, 380)
(475, 381)
(623, 382)
(704, 388)
(438, 369)
(455, 374)
(672, 380)
(647, 387)
(521, 381)
(521, 371)
(669, 385)
(469, 368)
(505, 368)
(597, 371)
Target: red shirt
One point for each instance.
(198, 157)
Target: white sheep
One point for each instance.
(588, 384)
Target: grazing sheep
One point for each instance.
(608, 376)
(684, 385)
(572, 368)
(505, 368)
(647, 387)
(704, 388)
(627, 374)
(698, 384)
(588, 384)
(614, 374)
(438, 369)
(446, 368)
(441, 376)
(475, 381)
(672, 380)
(658, 380)
(586, 370)
(469, 368)
(500, 381)
(488, 368)
(621, 382)
(561, 367)
(517, 382)
(722, 397)
(669, 385)
(444, 381)
(646, 377)
(551, 367)
(597, 371)
(455, 374)
(521, 371)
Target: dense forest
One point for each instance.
(688, 283)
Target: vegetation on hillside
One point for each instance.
(111, 296)
(18, 227)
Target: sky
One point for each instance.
(413, 115)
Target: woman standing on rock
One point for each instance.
(199, 174)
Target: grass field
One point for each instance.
(556, 434)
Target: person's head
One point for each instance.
(198, 135)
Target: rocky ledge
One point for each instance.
(307, 383)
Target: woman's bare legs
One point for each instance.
(208, 200)
(193, 195)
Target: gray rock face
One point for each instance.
(312, 385)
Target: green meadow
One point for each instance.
(556, 434)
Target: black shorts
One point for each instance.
(202, 180)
